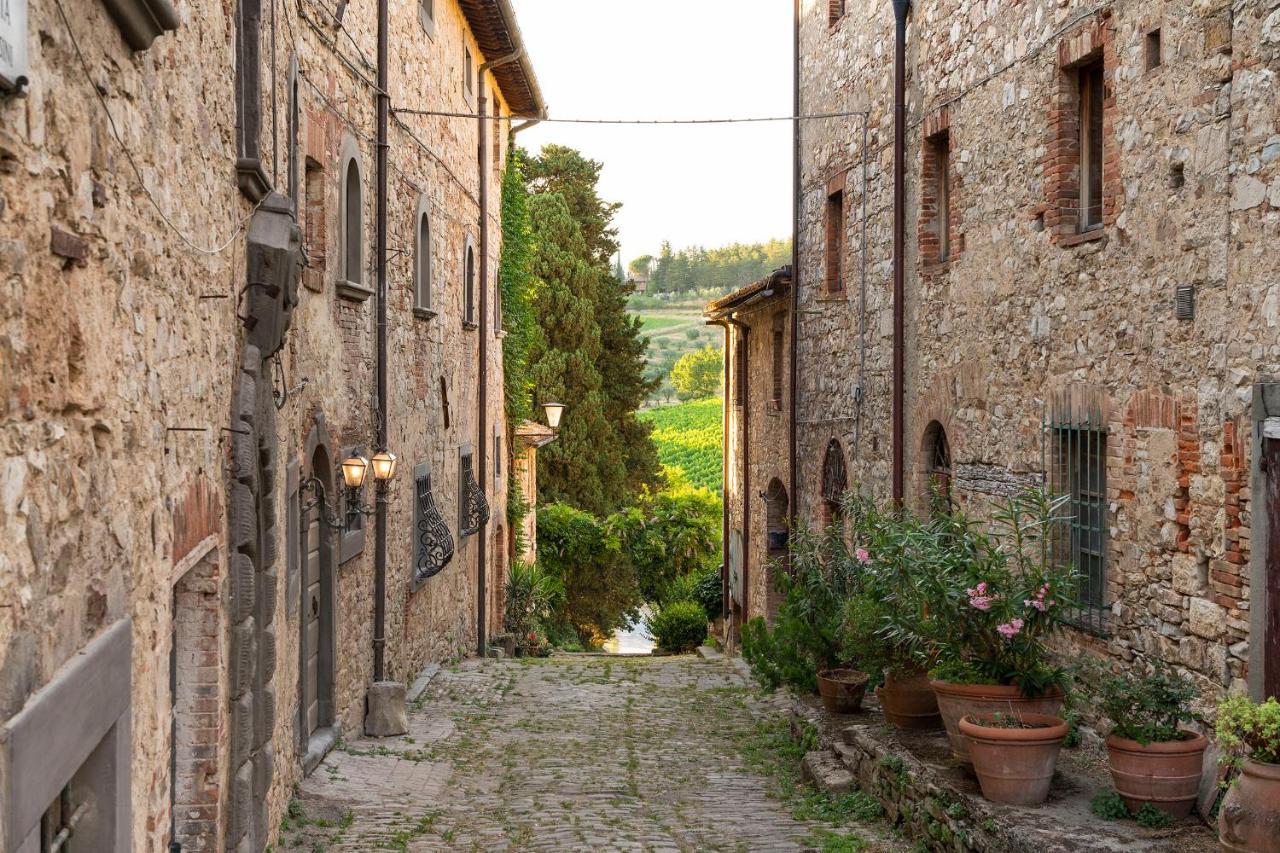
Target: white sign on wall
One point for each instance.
(13, 44)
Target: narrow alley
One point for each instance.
(577, 753)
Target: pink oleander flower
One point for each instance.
(1009, 630)
(862, 555)
(978, 597)
(1039, 602)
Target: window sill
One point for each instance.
(500, 334)
(832, 296)
(470, 325)
(428, 23)
(1083, 237)
(937, 268)
(424, 313)
(352, 291)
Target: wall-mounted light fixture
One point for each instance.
(355, 470)
(554, 412)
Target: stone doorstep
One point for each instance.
(938, 802)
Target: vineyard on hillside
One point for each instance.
(689, 437)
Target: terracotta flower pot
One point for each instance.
(1249, 820)
(1166, 775)
(1014, 765)
(909, 703)
(960, 700)
(842, 689)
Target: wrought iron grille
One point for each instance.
(1079, 469)
(475, 507)
(835, 481)
(434, 542)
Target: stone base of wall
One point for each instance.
(934, 801)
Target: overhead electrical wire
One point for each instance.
(632, 121)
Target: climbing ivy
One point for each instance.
(519, 289)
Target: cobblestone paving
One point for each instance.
(566, 753)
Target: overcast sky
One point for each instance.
(706, 185)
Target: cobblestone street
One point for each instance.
(574, 753)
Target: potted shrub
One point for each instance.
(1014, 755)
(999, 595)
(1153, 759)
(1249, 732)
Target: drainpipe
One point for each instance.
(793, 476)
(380, 248)
(900, 9)
(482, 441)
(744, 343)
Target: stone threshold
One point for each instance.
(936, 800)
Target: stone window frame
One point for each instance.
(778, 344)
(347, 287)
(835, 227)
(1090, 43)
(935, 154)
(469, 274)
(351, 540)
(75, 732)
(468, 75)
(423, 290)
(427, 17)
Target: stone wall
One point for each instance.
(123, 337)
(1028, 316)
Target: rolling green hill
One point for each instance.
(689, 437)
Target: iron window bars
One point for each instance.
(434, 542)
(1079, 466)
(475, 507)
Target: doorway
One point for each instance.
(1270, 465)
(316, 670)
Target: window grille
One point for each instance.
(835, 481)
(1078, 469)
(1091, 95)
(475, 507)
(434, 544)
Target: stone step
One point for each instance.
(826, 772)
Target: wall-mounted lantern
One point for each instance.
(554, 412)
(355, 470)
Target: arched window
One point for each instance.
(350, 273)
(422, 262)
(835, 482)
(469, 288)
(936, 452)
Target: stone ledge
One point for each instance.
(936, 801)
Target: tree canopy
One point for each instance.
(722, 269)
(698, 374)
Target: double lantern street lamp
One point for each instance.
(355, 470)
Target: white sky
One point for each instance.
(706, 185)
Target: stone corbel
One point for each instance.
(141, 21)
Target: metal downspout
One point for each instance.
(900, 8)
(482, 428)
(724, 480)
(744, 343)
(793, 437)
(380, 243)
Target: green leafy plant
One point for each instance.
(1250, 730)
(680, 626)
(1151, 817)
(709, 592)
(1109, 806)
(1149, 708)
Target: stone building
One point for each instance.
(757, 430)
(188, 241)
(1092, 294)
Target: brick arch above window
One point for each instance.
(351, 228)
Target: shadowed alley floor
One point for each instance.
(566, 753)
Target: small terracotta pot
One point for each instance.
(1249, 820)
(1166, 775)
(909, 703)
(960, 700)
(842, 689)
(1014, 765)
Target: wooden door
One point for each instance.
(1271, 506)
(312, 598)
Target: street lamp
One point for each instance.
(355, 470)
(554, 412)
(384, 465)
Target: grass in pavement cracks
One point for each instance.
(770, 751)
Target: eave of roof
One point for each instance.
(776, 283)
(493, 23)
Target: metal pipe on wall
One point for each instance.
(741, 351)
(380, 249)
(900, 9)
(724, 480)
(793, 437)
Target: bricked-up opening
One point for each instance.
(1090, 94)
(313, 216)
(935, 200)
(1151, 50)
(195, 665)
(740, 370)
(422, 265)
(352, 232)
(835, 11)
(779, 357)
(835, 241)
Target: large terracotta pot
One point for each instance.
(1014, 765)
(960, 700)
(909, 703)
(1249, 821)
(1166, 775)
(842, 689)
